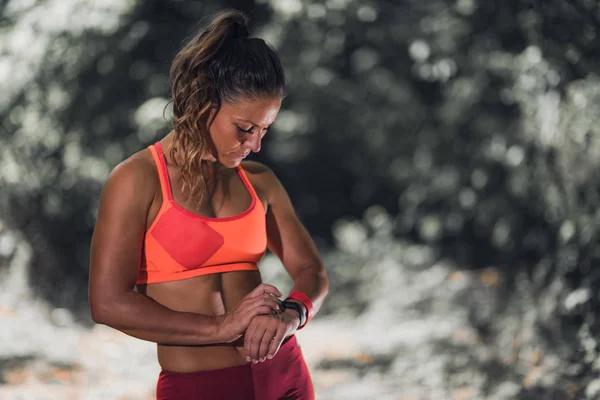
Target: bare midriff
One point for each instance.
(211, 295)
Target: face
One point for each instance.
(238, 129)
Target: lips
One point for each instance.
(241, 155)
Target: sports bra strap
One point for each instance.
(161, 165)
(247, 182)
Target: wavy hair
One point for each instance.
(221, 63)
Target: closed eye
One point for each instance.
(251, 130)
(244, 130)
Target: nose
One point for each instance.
(253, 143)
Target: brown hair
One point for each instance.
(221, 63)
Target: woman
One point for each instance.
(179, 233)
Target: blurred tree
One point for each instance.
(93, 95)
(471, 123)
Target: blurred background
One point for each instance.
(443, 153)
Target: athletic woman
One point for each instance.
(183, 223)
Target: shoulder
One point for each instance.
(264, 180)
(255, 168)
(136, 169)
(134, 178)
(259, 172)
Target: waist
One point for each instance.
(197, 359)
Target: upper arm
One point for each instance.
(286, 235)
(116, 244)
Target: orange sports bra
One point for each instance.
(180, 244)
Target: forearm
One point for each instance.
(139, 316)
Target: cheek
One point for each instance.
(223, 138)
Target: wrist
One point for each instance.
(306, 306)
(293, 307)
(219, 330)
(302, 307)
(294, 317)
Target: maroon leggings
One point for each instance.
(285, 376)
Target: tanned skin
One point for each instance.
(211, 321)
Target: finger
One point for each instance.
(276, 343)
(267, 300)
(265, 288)
(265, 343)
(254, 343)
(279, 303)
(248, 334)
(273, 302)
(262, 304)
(271, 289)
(262, 310)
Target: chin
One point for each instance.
(230, 162)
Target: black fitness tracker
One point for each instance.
(295, 306)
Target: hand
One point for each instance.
(262, 300)
(265, 334)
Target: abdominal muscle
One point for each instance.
(211, 295)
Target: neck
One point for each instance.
(214, 166)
